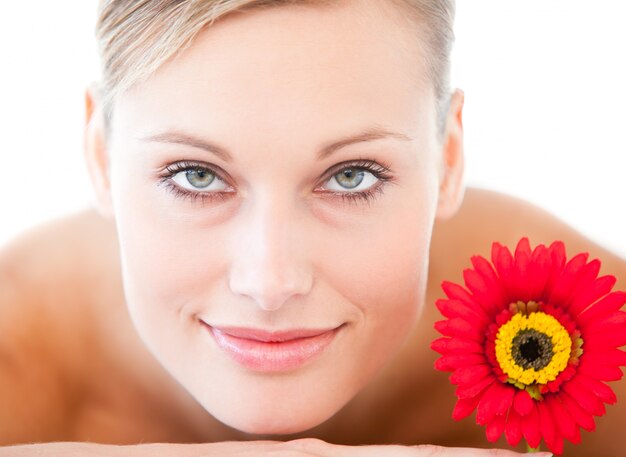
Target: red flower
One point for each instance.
(531, 343)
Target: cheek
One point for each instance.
(163, 251)
(382, 269)
(168, 270)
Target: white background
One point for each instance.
(545, 113)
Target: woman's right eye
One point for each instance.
(197, 179)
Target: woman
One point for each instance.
(280, 171)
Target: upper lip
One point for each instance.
(271, 336)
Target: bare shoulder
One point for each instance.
(53, 267)
(72, 367)
(486, 216)
(46, 283)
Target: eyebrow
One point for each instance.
(376, 132)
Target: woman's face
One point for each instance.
(233, 208)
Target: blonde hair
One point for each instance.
(136, 37)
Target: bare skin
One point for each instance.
(73, 368)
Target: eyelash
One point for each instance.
(381, 172)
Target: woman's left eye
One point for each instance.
(358, 181)
(351, 178)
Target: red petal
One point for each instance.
(471, 374)
(547, 425)
(464, 407)
(495, 428)
(610, 356)
(530, 427)
(450, 362)
(582, 417)
(522, 403)
(486, 270)
(616, 318)
(513, 428)
(584, 397)
(585, 279)
(598, 388)
(564, 421)
(456, 292)
(557, 253)
(496, 400)
(456, 308)
(503, 262)
(446, 345)
(558, 258)
(522, 258)
(597, 289)
(596, 369)
(523, 249)
(612, 302)
(539, 271)
(567, 281)
(551, 433)
(472, 390)
(461, 328)
(608, 338)
(482, 290)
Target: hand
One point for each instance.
(312, 447)
(306, 447)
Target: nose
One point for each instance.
(269, 264)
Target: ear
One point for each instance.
(95, 150)
(451, 185)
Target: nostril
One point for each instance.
(273, 300)
(270, 287)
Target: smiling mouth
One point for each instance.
(272, 351)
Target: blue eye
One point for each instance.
(196, 179)
(351, 178)
(199, 178)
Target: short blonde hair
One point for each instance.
(136, 37)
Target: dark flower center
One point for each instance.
(531, 348)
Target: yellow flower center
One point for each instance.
(532, 348)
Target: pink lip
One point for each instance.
(260, 350)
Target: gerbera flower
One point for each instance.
(531, 341)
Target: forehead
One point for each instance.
(284, 67)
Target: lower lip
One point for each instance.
(272, 356)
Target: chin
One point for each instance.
(274, 428)
(278, 421)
